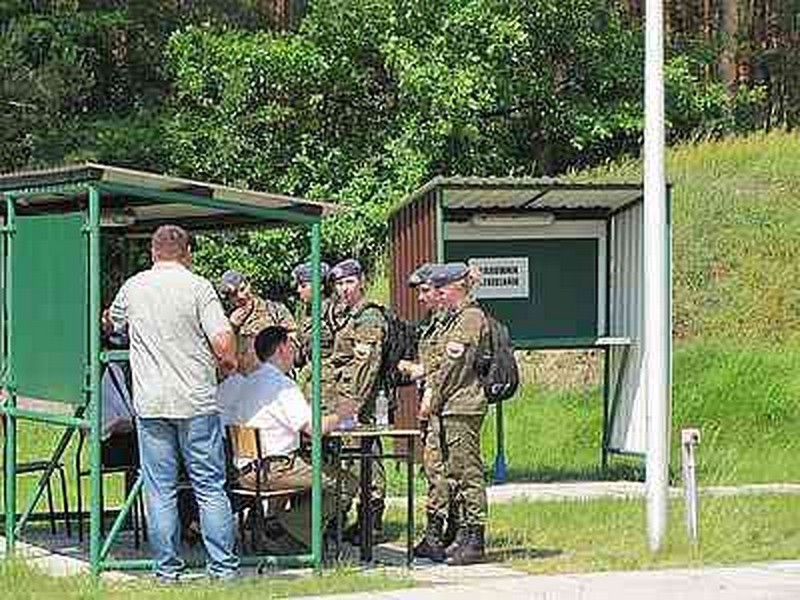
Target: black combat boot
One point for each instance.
(472, 550)
(431, 546)
(459, 539)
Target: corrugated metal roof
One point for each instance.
(34, 186)
(527, 193)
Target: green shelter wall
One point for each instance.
(564, 287)
(49, 307)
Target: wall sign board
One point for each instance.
(502, 277)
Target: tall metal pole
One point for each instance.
(656, 276)
(10, 383)
(316, 408)
(95, 401)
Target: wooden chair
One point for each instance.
(253, 503)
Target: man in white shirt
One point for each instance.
(269, 400)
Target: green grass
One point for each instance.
(736, 235)
(25, 583)
(558, 537)
(745, 400)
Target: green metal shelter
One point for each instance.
(562, 265)
(50, 345)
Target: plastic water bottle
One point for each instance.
(382, 409)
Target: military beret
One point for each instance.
(230, 282)
(448, 273)
(347, 268)
(421, 275)
(302, 272)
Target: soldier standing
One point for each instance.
(457, 397)
(249, 315)
(301, 276)
(355, 365)
(438, 505)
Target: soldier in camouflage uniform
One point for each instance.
(439, 506)
(249, 314)
(457, 396)
(301, 275)
(353, 372)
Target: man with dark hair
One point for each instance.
(269, 400)
(179, 337)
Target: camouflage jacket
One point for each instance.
(264, 313)
(356, 358)
(453, 376)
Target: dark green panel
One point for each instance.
(562, 302)
(49, 309)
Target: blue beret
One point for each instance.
(230, 282)
(448, 273)
(302, 272)
(347, 268)
(421, 275)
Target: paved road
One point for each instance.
(772, 581)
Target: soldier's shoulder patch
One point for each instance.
(455, 349)
(362, 350)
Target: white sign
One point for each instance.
(502, 277)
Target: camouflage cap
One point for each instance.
(302, 272)
(448, 273)
(230, 282)
(347, 268)
(421, 275)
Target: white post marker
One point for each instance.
(690, 438)
(656, 278)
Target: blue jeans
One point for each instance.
(198, 442)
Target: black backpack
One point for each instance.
(497, 367)
(400, 343)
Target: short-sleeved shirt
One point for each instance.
(267, 400)
(172, 314)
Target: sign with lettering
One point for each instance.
(502, 277)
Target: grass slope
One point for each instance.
(736, 235)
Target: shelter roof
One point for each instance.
(142, 200)
(516, 194)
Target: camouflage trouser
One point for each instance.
(464, 466)
(433, 462)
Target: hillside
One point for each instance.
(736, 236)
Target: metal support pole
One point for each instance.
(10, 383)
(606, 433)
(656, 275)
(690, 438)
(500, 472)
(44, 480)
(121, 517)
(93, 388)
(316, 408)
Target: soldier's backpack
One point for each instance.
(497, 367)
(400, 343)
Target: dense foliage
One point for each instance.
(361, 104)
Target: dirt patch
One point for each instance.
(561, 369)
